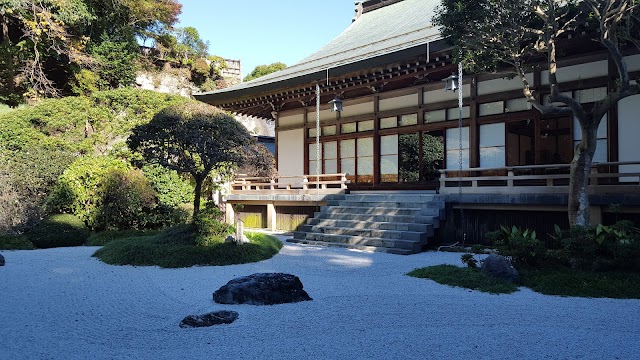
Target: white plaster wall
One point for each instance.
(628, 131)
(577, 72)
(435, 96)
(633, 62)
(291, 152)
(358, 109)
(399, 102)
(500, 85)
(325, 115)
(297, 119)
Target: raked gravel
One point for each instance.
(64, 304)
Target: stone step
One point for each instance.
(355, 224)
(378, 218)
(376, 210)
(394, 197)
(366, 241)
(362, 210)
(370, 233)
(395, 204)
(357, 247)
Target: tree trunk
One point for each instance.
(196, 199)
(6, 41)
(579, 207)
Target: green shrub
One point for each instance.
(15, 242)
(521, 245)
(601, 248)
(464, 277)
(58, 231)
(125, 198)
(210, 226)
(85, 82)
(117, 59)
(80, 188)
(176, 247)
(107, 194)
(171, 188)
(469, 260)
(102, 238)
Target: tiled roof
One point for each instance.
(389, 29)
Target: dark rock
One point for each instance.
(1, 260)
(500, 267)
(210, 319)
(262, 289)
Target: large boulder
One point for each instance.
(262, 289)
(500, 267)
(1, 260)
(210, 319)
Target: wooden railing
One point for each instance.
(610, 177)
(302, 184)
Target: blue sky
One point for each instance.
(263, 32)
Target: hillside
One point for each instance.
(38, 143)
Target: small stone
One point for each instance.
(500, 267)
(210, 319)
(262, 289)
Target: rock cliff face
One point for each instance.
(178, 84)
(166, 83)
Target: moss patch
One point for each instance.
(177, 248)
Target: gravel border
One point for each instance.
(64, 304)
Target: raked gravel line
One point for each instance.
(64, 304)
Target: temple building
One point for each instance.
(399, 135)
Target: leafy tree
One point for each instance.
(42, 41)
(262, 70)
(32, 33)
(200, 71)
(189, 44)
(116, 62)
(126, 19)
(260, 162)
(193, 138)
(491, 35)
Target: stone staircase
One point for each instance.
(393, 222)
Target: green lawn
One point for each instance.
(561, 281)
(102, 238)
(464, 277)
(568, 282)
(176, 248)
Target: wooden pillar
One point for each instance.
(474, 128)
(271, 217)
(376, 141)
(276, 138)
(612, 117)
(305, 135)
(596, 215)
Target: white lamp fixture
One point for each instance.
(451, 83)
(336, 104)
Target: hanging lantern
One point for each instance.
(451, 83)
(336, 104)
